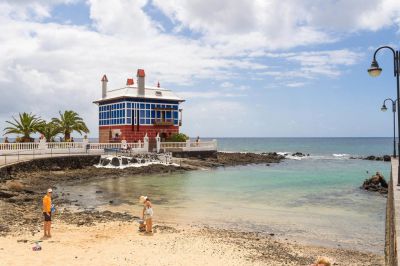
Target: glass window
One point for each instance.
(152, 121)
(175, 107)
(142, 121)
(123, 105)
(142, 106)
(141, 113)
(153, 106)
(147, 106)
(153, 114)
(175, 122)
(147, 113)
(129, 105)
(129, 121)
(148, 121)
(175, 114)
(129, 113)
(168, 115)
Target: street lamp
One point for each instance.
(375, 71)
(384, 109)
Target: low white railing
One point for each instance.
(19, 146)
(189, 146)
(65, 145)
(167, 145)
(43, 147)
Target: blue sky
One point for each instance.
(246, 68)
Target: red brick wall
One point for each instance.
(132, 135)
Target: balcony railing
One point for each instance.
(163, 122)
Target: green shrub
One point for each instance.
(178, 137)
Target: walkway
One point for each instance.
(396, 209)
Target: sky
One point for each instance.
(254, 68)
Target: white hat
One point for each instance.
(142, 199)
(49, 190)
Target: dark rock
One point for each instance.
(125, 161)
(143, 161)
(298, 154)
(133, 160)
(386, 158)
(105, 161)
(7, 194)
(376, 183)
(111, 201)
(115, 161)
(99, 191)
(370, 158)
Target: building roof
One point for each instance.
(153, 93)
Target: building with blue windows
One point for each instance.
(135, 110)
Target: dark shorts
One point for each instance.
(47, 217)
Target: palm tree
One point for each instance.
(69, 122)
(26, 125)
(49, 130)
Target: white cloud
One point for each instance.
(48, 66)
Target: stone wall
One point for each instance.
(390, 226)
(53, 163)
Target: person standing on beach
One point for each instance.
(47, 212)
(147, 213)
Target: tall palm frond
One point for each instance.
(69, 122)
(26, 124)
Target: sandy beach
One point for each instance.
(120, 243)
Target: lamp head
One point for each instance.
(383, 108)
(374, 70)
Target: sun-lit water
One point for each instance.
(315, 200)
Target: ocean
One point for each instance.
(315, 199)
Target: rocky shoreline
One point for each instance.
(22, 185)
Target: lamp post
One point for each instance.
(375, 71)
(384, 109)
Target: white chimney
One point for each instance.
(140, 81)
(104, 81)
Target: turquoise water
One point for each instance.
(313, 200)
(314, 146)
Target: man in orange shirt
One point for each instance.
(47, 212)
